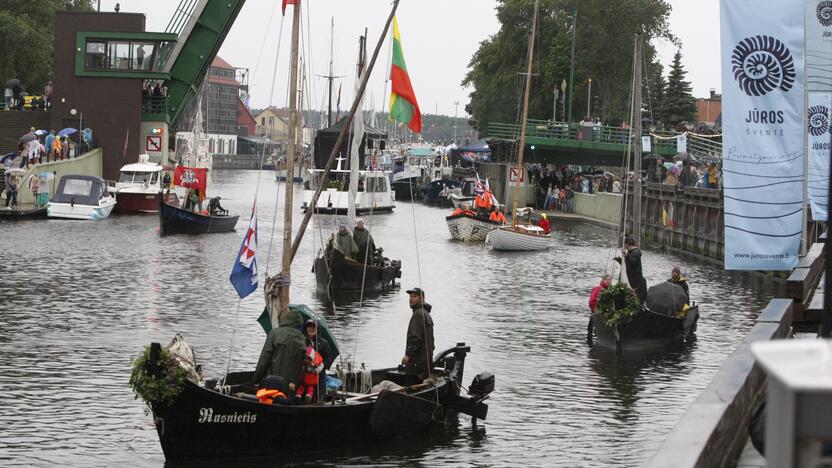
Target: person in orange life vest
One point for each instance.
(313, 365)
(271, 392)
(482, 202)
(497, 216)
(544, 223)
(463, 210)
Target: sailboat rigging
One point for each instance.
(520, 236)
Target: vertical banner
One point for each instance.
(646, 145)
(819, 116)
(682, 143)
(762, 122)
(819, 111)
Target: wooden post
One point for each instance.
(636, 125)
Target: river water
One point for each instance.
(80, 299)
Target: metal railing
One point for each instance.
(177, 22)
(154, 104)
(699, 147)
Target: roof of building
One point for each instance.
(244, 114)
(220, 63)
(282, 114)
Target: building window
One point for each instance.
(119, 55)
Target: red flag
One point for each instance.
(191, 177)
(289, 2)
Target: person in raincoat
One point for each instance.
(283, 352)
(364, 241)
(632, 262)
(343, 242)
(419, 350)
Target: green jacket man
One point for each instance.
(283, 351)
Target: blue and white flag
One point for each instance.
(819, 126)
(762, 124)
(244, 273)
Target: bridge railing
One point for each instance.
(563, 131)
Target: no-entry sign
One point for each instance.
(153, 143)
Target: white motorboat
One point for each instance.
(463, 195)
(374, 192)
(468, 228)
(139, 188)
(81, 197)
(522, 237)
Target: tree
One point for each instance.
(603, 50)
(27, 32)
(654, 94)
(678, 104)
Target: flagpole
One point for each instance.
(341, 135)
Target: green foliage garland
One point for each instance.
(165, 387)
(619, 293)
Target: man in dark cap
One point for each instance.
(677, 278)
(418, 355)
(632, 262)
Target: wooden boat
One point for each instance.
(213, 422)
(20, 213)
(522, 237)
(646, 330)
(335, 273)
(81, 197)
(175, 220)
(467, 228)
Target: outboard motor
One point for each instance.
(481, 386)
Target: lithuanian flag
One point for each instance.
(403, 105)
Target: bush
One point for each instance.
(618, 304)
(162, 388)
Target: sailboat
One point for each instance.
(518, 236)
(336, 271)
(664, 317)
(223, 420)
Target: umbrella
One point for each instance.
(46, 175)
(668, 165)
(305, 314)
(675, 170)
(41, 132)
(28, 137)
(666, 298)
(15, 170)
(7, 159)
(12, 83)
(681, 156)
(67, 131)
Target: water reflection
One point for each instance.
(81, 299)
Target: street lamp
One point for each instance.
(572, 64)
(563, 101)
(555, 106)
(456, 106)
(588, 97)
(81, 122)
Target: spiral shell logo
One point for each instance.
(762, 64)
(818, 120)
(825, 13)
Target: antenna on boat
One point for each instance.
(520, 167)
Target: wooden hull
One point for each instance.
(647, 330)
(509, 239)
(340, 274)
(203, 424)
(174, 220)
(470, 229)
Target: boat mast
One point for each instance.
(342, 134)
(525, 115)
(357, 132)
(637, 149)
(330, 77)
(286, 260)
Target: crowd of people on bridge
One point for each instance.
(42, 146)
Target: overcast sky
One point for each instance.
(439, 37)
